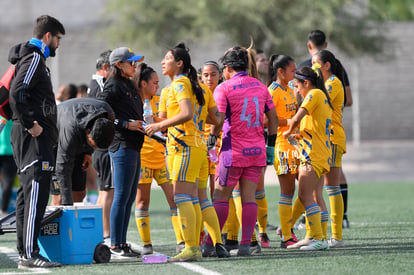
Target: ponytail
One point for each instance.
(314, 75)
(275, 62)
(195, 85)
(181, 52)
(251, 55)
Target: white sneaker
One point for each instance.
(316, 245)
(299, 244)
(334, 243)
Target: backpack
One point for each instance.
(5, 81)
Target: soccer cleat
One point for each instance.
(264, 240)
(294, 236)
(180, 247)
(147, 249)
(299, 244)
(285, 244)
(189, 254)
(36, 262)
(315, 245)
(231, 245)
(345, 222)
(334, 243)
(221, 251)
(255, 248)
(244, 250)
(208, 251)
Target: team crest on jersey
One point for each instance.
(179, 88)
(329, 88)
(308, 98)
(46, 166)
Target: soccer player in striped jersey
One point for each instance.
(281, 70)
(152, 162)
(185, 144)
(314, 117)
(332, 71)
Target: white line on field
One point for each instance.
(197, 268)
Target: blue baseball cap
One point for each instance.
(123, 54)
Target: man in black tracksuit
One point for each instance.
(84, 124)
(34, 134)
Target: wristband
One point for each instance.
(271, 140)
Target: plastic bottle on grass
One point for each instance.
(154, 259)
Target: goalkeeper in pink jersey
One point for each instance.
(242, 101)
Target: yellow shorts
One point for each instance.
(319, 169)
(185, 163)
(337, 153)
(286, 162)
(203, 177)
(147, 174)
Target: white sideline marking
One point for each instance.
(380, 223)
(197, 268)
(189, 266)
(12, 254)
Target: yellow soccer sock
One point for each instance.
(297, 211)
(211, 221)
(233, 224)
(188, 218)
(262, 209)
(308, 234)
(324, 224)
(313, 214)
(143, 224)
(199, 218)
(337, 210)
(176, 225)
(285, 216)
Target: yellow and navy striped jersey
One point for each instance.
(336, 92)
(189, 133)
(315, 129)
(152, 152)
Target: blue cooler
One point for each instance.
(73, 237)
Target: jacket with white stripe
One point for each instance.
(31, 92)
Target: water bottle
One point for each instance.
(154, 259)
(212, 153)
(147, 112)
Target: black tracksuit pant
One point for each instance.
(35, 159)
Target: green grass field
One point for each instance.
(380, 240)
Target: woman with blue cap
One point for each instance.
(119, 91)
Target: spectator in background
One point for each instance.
(100, 158)
(262, 66)
(8, 167)
(66, 92)
(102, 71)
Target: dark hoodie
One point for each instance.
(31, 91)
(75, 116)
